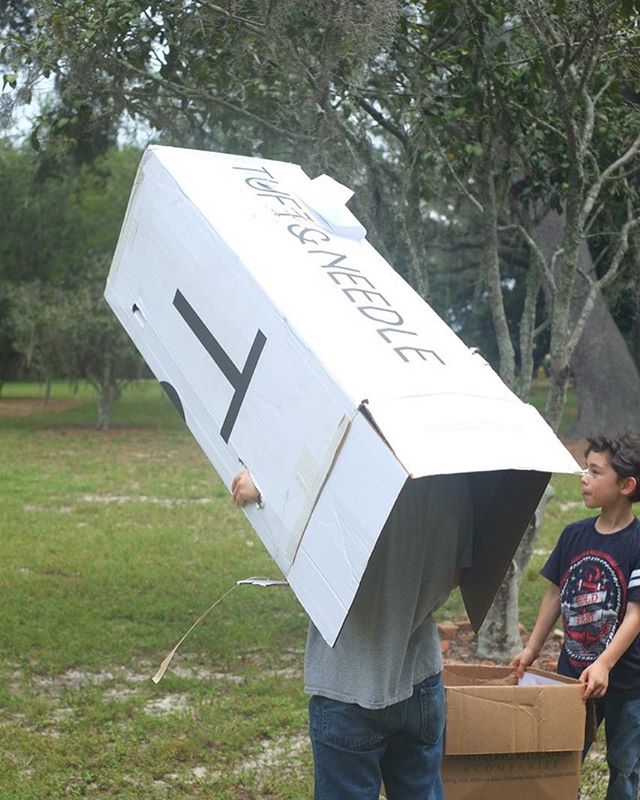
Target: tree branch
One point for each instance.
(256, 27)
(457, 179)
(538, 257)
(607, 174)
(184, 91)
(596, 286)
(398, 133)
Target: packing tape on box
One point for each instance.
(312, 477)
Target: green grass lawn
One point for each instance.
(111, 545)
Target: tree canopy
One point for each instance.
(462, 126)
(59, 232)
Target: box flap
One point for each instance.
(485, 716)
(478, 675)
(344, 527)
(504, 502)
(444, 432)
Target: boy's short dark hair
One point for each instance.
(624, 456)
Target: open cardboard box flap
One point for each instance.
(487, 713)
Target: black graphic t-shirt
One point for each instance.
(597, 575)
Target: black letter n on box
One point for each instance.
(240, 380)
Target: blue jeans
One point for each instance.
(622, 735)
(355, 748)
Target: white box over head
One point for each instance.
(290, 345)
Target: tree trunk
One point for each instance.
(48, 383)
(606, 380)
(491, 269)
(499, 638)
(107, 393)
(104, 408)
(605, 374)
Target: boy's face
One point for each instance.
(602, 487)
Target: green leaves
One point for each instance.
(406, 101)
(9, 79)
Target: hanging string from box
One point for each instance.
(255, 581)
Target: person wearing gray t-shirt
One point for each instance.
(377, 706)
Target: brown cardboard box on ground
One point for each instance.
(510, 741)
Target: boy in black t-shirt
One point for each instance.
(594, 572)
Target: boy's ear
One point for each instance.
(629, 485)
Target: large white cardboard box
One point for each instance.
(288, 344)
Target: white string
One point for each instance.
(252, 581)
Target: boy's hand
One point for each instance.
(244, 489)
(594, 680)
(524, 659)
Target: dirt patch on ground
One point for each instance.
(28, 406)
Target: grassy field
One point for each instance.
(111, 545)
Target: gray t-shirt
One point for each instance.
(389, 641)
